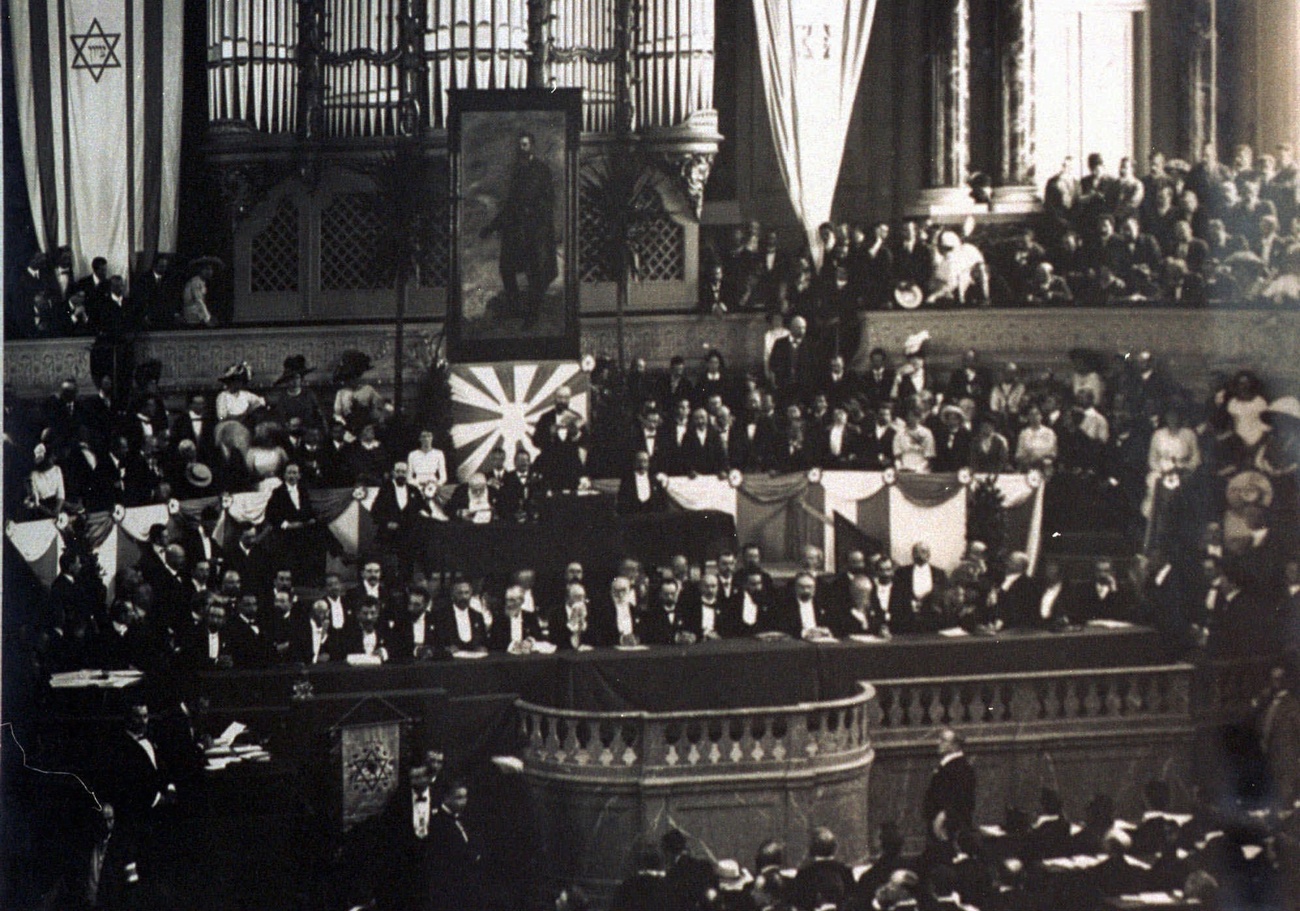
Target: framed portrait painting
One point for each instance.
(514, 176)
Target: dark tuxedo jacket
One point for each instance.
(300, 642)
(877, 451)
(850, 448)
(351, 641)
(1084, 604)
(731, 623)
(913, 266)
(627, 502)
(385, 510)
(788, 458)
(877, 389)
(840, 392)
(793, 369)
(951, 451)
(1017, 606)
(460, 501)
(960, 386)
(903, 579)
(401, 638)
(457, 863)
(404, 882)
(518, 495)
(133, 782)
(193, 655)
(668, 451)
(499, 636)
(656, 628)
(445, 624)
(951, 790)
(280, 508)
(183, 429)
(757, 451)
(707, 457)
(249, 649)
(668, 393)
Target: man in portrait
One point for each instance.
(526, 224)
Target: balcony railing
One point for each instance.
(632, 745)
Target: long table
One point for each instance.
(726, 674)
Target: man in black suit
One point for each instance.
(459, 626)
(751, 610)
(791, 365)
(949, 803)
(474, 501)
(296, 541)
(895, 611)
(140, 785)
(759, 433)
(672, 438)
(735, 444)
(1015, 600)
(405, 881)
(519, 490)
(250, 643)
(413, 637)
(665, 622)
(206, 647)
(921, 582)
(675, 386)
(877, 382)
(645, 889)
(312, 641)
(457, 868)
(878, 440)
(516, 630)
(639, 492)
(366, 637)
(688, 881)
(701, 451)
(969, 381)
(803, 614)
(913, 259)
(196, 538)
(1101, 598)
(647, 438)
(396, 513)
(822, 880)
(372, 586)
(841, 444)
(154, 296)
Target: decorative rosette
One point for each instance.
(358, 493)
(735, 478)
(889, 476)
(227, 501)
(173, 507)
(1034, 478)
(964, 476)
(119, 512)
(588, 363)
(10, 526)
(429, 489)
(814, 475)
(62, 521)
(584, 483)
(1171, 481)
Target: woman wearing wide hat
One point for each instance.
(357, 403)
(235, 401)
(295, 400)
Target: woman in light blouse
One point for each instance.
(1173, 448)
(426, 463)
(914, 444)
(1036, 443)
(46, 480)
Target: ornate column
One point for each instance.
(949, 137)
(1017, 40)
(1201, 36)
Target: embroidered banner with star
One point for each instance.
(98, 85)
(370, 756)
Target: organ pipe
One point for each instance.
(253, 59)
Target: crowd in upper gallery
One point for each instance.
(1180, 235)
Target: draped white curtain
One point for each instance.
(811, 53)
(98, 88)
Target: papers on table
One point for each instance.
(359, 660)
(104, 680)
(1150, 898)
(632, 648)
(953, 632)
(544, 648)
(1077, 862)
(469, 654)
(222, 756)
(229, 734)
(867, 638)
(1108, 624)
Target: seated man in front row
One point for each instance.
(474, 501)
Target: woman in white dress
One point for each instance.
(426, 463)
(47, 492)
(1173, 449)
(1036, 443)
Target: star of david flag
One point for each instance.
(98, 89)
(499, 405)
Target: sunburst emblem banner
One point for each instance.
(499, 405)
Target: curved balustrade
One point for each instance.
(904, 709)
(634, 744)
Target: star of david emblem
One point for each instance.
(371, 769)
(96, 51)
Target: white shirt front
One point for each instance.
(708, 616)
(420, 806)
(319, 635)
(336, 612)
(369, 642)
(427, 466)
(623, 617)
(148, 749)
(807, 615)
(517, 628)
(402, 494)
(1048, 601)
(642, 487)
(214, 645)
(418, 630)
(836, 439)
(293, 496)
(922, 581)
(464, 629)
(749, 611)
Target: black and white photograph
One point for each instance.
(650, 455)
